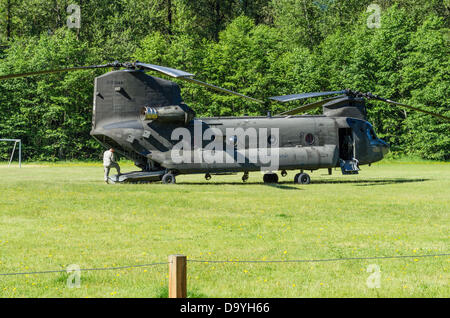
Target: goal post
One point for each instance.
(18, 147)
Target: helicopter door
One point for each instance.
(346, 145)
(347, 161)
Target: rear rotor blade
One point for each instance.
(307, 107)
(164, 70)
(220, 89)
(185, 76)
(289, 98)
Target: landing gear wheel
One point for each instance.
(270, 178)
(283, 173)
(245, 177)
(207, 176)
(302, 178)
(168, 178)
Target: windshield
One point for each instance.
(371, 134)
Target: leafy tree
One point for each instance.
(260, 48)
(426, 77)
(50, 113)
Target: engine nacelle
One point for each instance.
(181, 114)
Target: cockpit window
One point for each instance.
(371, 134)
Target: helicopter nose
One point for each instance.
(384, 147)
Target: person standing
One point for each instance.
(109, 161)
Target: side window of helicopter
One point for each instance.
(309, 139)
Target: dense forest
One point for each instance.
(398, 49)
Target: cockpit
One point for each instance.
(368, 148)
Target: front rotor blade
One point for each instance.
(289, 98)
(371, 96)
(417, 109)
(307, 107)
(78, 68)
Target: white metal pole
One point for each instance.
(20, 153)
(12, 154)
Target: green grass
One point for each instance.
(53, 215)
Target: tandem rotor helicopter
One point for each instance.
(137, 114)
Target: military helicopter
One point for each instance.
(138, 114)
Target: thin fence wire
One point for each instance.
(84, 269)
(319, 260)
(228, 261)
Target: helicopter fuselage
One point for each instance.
(301, 142)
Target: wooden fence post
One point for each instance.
(177, 276)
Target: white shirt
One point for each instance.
(108, 158)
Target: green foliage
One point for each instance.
(241, 61)
(51, 114)
(260, 48)
(405, 62)
(426, 76)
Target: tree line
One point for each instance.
(260, 48)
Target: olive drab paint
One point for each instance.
(137, 114)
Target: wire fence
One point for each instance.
(84, 269)
(230, 261)
(320, 260)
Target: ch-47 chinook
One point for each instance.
(138, 114)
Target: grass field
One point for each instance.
(60, 214)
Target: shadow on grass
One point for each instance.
(279, 185)
(289, 185)
(370, 182)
